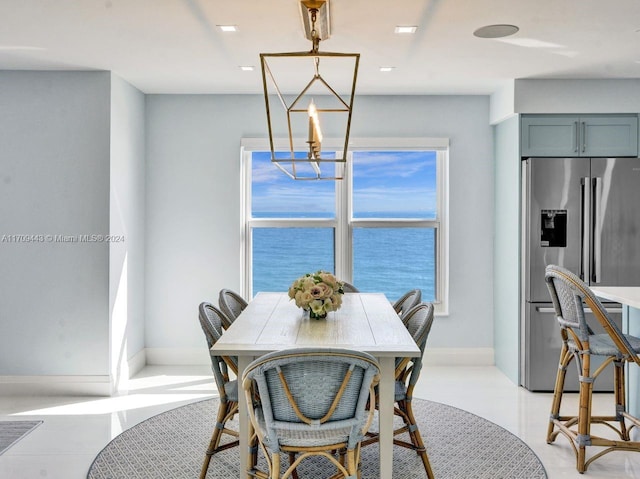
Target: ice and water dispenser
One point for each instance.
(553, 228)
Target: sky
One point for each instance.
(384, 182)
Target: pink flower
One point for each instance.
(319, 292)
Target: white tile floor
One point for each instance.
(75, 429)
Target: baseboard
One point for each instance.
(177, 356)
(459, 357)
(67, 385)
(432, 357)
(55, 386)
(137, 362)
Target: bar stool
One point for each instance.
(579, 343)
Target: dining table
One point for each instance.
(365, 322)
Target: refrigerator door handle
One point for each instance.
(596, 268)
(542, 309)
(585, 202)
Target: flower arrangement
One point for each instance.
(318, 293)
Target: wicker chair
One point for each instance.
(418, 321)
(231, 304)
(579, 343)
(407, 302)
(349, 288)
(211, 323)
(313, 402)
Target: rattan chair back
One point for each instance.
(231, 304)
(211, 320)
(408, 301)
(418, 321)
(349, 288)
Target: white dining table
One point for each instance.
(365, 322)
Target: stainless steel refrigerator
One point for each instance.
(584, 215)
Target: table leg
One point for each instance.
(385, 415)
(243, 418)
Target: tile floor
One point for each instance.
(75, 429)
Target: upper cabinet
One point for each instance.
(579, 135)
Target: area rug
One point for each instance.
(460, 445)
(12, 431)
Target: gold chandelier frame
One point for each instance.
(308, 167)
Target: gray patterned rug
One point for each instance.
(12, 431)
(460, 445)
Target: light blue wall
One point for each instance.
(72, 163)
(54, 180)
(72, 148)
(127, 221)
(193, 204)
(507, 247)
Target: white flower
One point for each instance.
(317, 306)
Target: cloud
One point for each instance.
(389, 164)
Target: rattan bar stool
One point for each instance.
(579, 343)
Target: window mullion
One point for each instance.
(342, 239)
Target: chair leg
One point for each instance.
(275, 466)
(619, 393)
(584, 413)
(215, 438)
(292, 458)
(226, 411)
(352, 466)
(563, 363)
(416, 437)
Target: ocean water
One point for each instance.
(388, 260)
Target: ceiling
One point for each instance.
(175, 46)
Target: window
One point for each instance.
(382, 228)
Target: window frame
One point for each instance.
(344, 223)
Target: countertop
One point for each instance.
(628, 295)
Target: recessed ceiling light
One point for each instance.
(405, 29)
(386, 69)
(228, 28)
(247, 68)
(496, 31)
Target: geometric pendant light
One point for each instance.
(310, 96)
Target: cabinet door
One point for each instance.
(549, 136)
(608, 136)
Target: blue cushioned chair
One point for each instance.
(312, 402)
